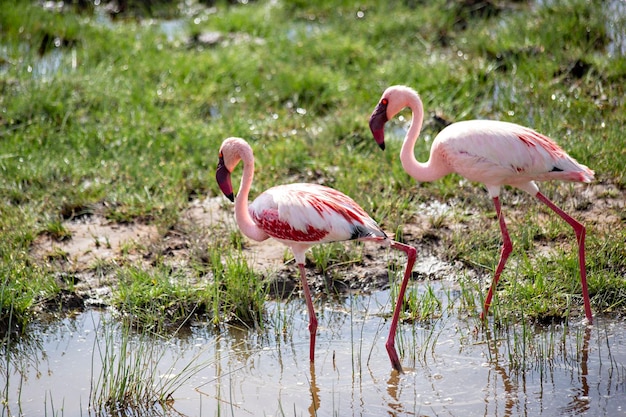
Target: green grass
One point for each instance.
(161, 298)
(131, 122)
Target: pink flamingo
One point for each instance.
(300, 216)
(492, 152)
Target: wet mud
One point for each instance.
(86, 257)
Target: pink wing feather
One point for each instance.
(571, 170)
(311, 213)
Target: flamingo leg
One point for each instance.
(411, 253)
(312, 316)
(579, 229)
(507, 247)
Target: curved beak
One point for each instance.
(377, 123)
(222, 175)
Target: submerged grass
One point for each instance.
(132, 379)
(520, 346)
(117, 115)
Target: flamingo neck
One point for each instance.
(242, 213)
(421, 171)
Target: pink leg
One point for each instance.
(390, 345)
(579, 229)
(312, 316)
(507, 247)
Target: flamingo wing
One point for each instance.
(312, 213)
(498, 153)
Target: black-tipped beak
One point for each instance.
(377, 123)
(379, 137)
(222, 175)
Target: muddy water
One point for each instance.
(452, 367)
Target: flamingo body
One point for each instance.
(500, 153)
(495, 153)
(301, 215)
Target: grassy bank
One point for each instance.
(122, 118)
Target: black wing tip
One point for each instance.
(363, 232)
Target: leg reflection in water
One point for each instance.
(315, 393)
(514, 386)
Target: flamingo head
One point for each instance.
(393, 100)
(232, 151)
(378, 120)
(222, 175)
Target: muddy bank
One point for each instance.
(85, 261)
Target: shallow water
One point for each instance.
(452, 367)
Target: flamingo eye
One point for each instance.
(384, 102)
